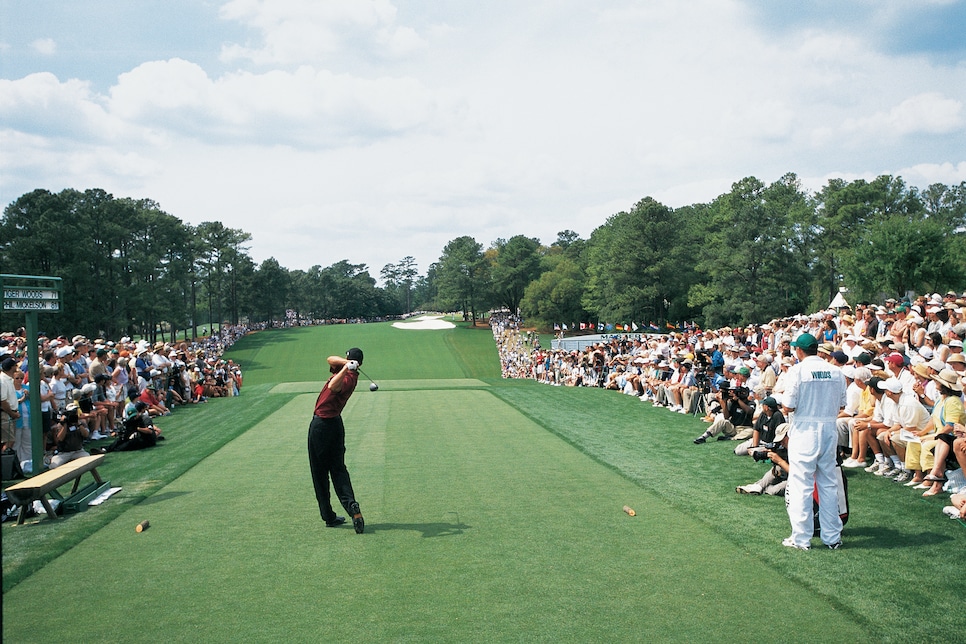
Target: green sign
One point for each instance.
(32, 294)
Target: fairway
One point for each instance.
(493, 513)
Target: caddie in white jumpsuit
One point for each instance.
(815, 392)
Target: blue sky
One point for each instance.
(370, 129)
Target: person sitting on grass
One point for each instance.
(958, 508)
(735, 420)
(104, 398)
(776, 478)
(947, 415)
(139, 431)
(950, 454)
(92, 417)
(880, 424)
(764, 429)
(849, 422)
(910, 430)
(154, 404)
(70, 434)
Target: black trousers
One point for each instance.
(327, 461)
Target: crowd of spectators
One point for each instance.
(100, 395)
(904, 362)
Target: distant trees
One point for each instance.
(752, 254)
(398, 280)
(514, 264)
(129, 268)
(463, 277)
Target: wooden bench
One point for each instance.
(36, 488)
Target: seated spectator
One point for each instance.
(734, 422)
(104, 398)
(90, 416)
(855, 422)
(765, 429)
(138, 432)
(948, 413)
(69, 434)
(776, 478)
(876, 430)
(958, 508)
(950, 453)
(154, 404)
(910, 430)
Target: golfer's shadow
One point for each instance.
(441, 529)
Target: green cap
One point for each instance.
(805, 341)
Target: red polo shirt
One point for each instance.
(330, 403)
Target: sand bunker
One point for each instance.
(426, 322)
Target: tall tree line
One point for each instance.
(129, 268)
(754, 253)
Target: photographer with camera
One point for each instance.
(734, 422)
(139, 431)
(764, 429)
(70, 434)
(776, 478)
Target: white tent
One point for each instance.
(838, 302)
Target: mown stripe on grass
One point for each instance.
(384, 385)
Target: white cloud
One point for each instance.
(303, 108)
(929, 113)
(301, 31)
(924, 174)
(44, 46)
(42, 104)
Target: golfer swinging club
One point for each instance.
(327, 441)
(815, 391)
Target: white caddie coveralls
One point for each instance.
(816, 390)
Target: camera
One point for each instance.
(760, 453)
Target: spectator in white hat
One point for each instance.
(947, 412)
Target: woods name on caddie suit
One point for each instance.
(816, 392)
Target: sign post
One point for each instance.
(32, 294)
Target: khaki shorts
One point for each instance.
(8, 428)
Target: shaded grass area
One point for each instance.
(192, 434)
(481, 526)
(894, 541)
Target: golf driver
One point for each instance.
(372, 384)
